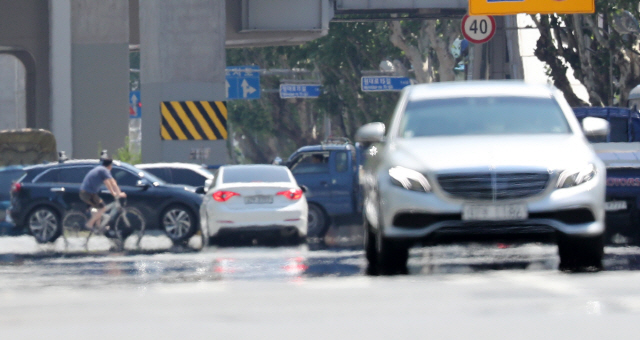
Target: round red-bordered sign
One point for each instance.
(478, 29)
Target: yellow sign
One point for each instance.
(193, 120)
(509, 7)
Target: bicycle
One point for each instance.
(118, 223)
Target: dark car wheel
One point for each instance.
(317, 222)
(370, 248)
(44, 224)
(392, 256)
(179, 223)
(580, 253)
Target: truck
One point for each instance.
(620, 151)
(329, 174)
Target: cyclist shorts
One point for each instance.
(92, 199)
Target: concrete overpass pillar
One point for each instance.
(182, 57)
(13, 113)
(24, 33)
(100, 75)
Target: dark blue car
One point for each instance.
(8, 175)
(46, 192)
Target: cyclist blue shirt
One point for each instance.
(94, 179)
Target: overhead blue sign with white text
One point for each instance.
(384, 83)
(299, 91)
(243, 82)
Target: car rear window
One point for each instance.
(249, 174)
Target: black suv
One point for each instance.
(40, 198)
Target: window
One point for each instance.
(124, 178)
(74, 175)
(249, 174)
(482, 116)
(342, 161)
(160, 173)
(311, 163)
(51, 176)
(187, 177)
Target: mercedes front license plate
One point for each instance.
(258, 199)
(615, 205)
(495, 212)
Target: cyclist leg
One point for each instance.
(95, 202)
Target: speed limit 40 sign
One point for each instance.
(478, 29)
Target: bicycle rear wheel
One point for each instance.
(129, 222)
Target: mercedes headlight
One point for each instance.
(409, 179)
(576, 176)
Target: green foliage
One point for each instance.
(602, 59)
(125, 155)
(275, 127)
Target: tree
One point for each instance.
(428, 43)
(605, 61)
(272, 127)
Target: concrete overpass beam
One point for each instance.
(100, 75)
(182, 57)
(252, 23)
(398, 5)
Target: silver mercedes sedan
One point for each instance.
(482, 161)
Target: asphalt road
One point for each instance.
(452, 292)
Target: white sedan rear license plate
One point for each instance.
(495, 212)
(615, 205)
(259, 199)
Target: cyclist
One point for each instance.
(91, 186)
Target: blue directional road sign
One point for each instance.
(299, 91)
(383, 83)
(243, 82)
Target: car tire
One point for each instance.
(44, 224)
(179, 223)
(370, 250)
(317, 222)
(580, 253)
(392, 256)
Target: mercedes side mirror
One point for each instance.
(200, 190)
(304, 188)
(371, 133)
(595, 127)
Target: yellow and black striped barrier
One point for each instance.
(193, 120)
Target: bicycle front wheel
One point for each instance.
(129, 222)
(73, 224)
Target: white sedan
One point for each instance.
(254, 199)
